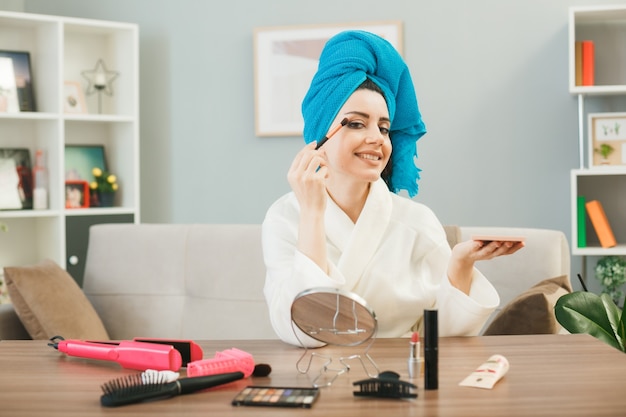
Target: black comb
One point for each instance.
(133, 388)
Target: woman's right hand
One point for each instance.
(307, 176)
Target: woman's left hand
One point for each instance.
(478, 250)
(465, 254)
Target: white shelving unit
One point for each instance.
(606, 26)
(60, 49)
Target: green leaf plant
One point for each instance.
(598, 316)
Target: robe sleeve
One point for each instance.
(461, 314)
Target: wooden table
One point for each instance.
(550, 375)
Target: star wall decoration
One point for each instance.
(100, 79)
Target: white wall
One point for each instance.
(12, 5)
(491, 79)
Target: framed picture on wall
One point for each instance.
(21, 73)
(607, 140)
(285, 61)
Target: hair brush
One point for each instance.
(135, 388)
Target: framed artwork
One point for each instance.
(74, 98)
(20, 70)
(9, 103)
(607, 140)
(80, 160)
(76, 194)
(16, 179)
(285, 61)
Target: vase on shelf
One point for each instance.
(105, 199)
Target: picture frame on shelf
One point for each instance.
(22, 76)
(607, 140)
(285, 61)
(80, 160)
(74, 98)
(16, 179)
(76, 194)
(9, 102)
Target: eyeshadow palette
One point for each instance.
(277, 396)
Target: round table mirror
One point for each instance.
(333, 316)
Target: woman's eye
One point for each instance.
(384, 130)
(355, 124)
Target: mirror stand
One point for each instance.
(334, 318)
(327, 374)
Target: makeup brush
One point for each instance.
(331, 133)
(133, 388)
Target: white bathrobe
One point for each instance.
(395, 257)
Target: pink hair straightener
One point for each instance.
(129, 354)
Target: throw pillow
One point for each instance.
(531, 312)
(50, 303)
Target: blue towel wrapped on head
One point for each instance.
(346, 61)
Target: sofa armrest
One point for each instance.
(11, 328)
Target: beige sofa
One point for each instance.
(205, 281)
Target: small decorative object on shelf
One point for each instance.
(103, 187)
(100, 81)
(73, 98)
(611, 272)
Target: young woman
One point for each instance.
(343, 225)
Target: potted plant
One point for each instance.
(605, 150)
(611, 272)
(598, 316)
(104, 186)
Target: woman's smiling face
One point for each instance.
(362, 148)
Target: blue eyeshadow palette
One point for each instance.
(295, 397)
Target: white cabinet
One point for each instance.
(606, 27)
(60, 49)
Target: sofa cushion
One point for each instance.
(531, 312)
(50, 303)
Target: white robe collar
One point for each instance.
(358, 241)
